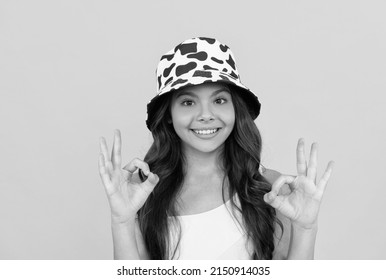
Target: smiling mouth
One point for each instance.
(205, 131)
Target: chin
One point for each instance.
(206, 148)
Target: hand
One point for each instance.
(302, 204)
(125, 196)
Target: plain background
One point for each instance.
(72, 71)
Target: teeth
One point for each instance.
(205, 132)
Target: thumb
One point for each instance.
(151, 182)
(126, 167)
(269, 197)
(276, 201)
(273, 198)
(128, 174)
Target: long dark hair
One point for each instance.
(241, 160)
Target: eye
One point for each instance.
(220, 100)
(187, 102)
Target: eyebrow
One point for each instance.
(195, 95)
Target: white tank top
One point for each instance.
(212, 235)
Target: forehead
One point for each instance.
(203, 89)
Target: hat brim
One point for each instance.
(199, 77)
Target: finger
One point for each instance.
(326, 176)
(143, 174)
(136, 163)
(275, 201)
(311, 170)
(116, 152)
(104, 151)
(291, 187)
(278, 184)
(151, 182)
(103, 172)
(301, 163)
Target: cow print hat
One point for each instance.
(194, 62)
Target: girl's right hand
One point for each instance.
(126, 196)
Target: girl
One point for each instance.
(201, 192)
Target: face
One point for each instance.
(203, 116)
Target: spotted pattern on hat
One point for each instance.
(179, 81)
(186, 48)
(231, 62)
(233, 74)
(182, 69)
(197, 54)
(209, 40)
(217, 60)
(159, 82)
(169, 80)
(207, 67)
(199, 73)
(168, 57)
(224, 77)
(167, 70)
(200, 56)
(224, 48)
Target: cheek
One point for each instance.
(231, 124)
(228, 115)
(180, 117)
(181, 120)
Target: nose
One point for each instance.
(205, 114)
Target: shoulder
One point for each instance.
(281, 237)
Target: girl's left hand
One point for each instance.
(302, 204)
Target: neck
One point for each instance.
(203, 165)
(203, 175)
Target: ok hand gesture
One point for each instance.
(126, 196)
(302, 204)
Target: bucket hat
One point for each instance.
(197, 61)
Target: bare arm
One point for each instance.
(302, 243)
(124, 240)
(128, 241)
